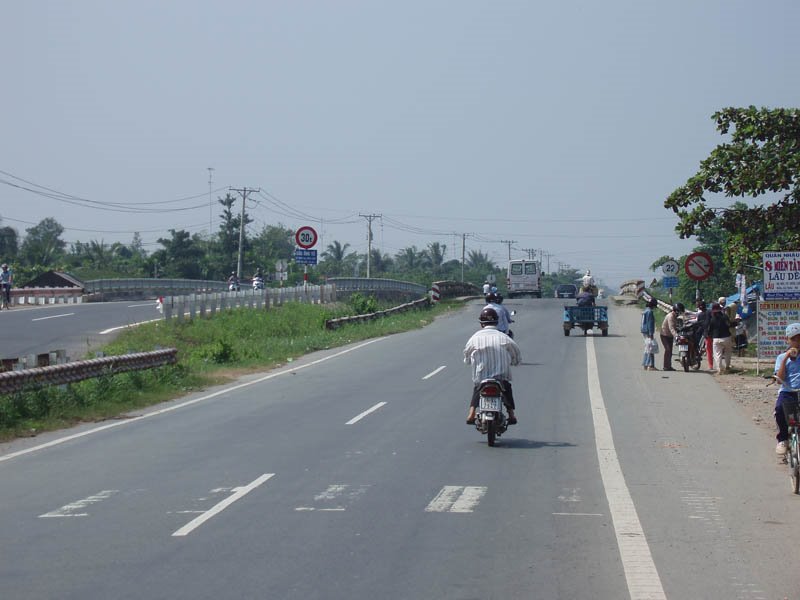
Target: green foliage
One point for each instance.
(219, 352)
(762, 157)
(363, 305)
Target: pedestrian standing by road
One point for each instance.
(703, 317)
(648, 330)
(719, 328)
(6, 281)
(669, 331)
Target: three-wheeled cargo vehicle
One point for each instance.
(586, 317)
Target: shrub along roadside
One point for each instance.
(210, 351)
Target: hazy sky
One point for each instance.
(561, 126)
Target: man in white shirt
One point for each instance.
(491, 353)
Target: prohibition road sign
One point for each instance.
(306, 237)
(698, 266)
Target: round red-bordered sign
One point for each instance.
(699, 266)
(306, 237)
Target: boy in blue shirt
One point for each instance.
(787, 370)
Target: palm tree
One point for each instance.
(409, 259)
(479, 260)
(436, 252)
(335, 257)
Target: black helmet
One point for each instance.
(489, 316)
(679, 308)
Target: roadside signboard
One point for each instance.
(773, 317)
(781, 275)
(698, 266)
(306, 237)
(305, 257)
(669, 282)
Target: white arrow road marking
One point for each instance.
(334, 494)
(637, 562)
(238, 493)
(571, 497)
(357, 418)
(71, 509)
(456, 499)
(432, 373)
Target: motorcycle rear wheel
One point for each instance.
(685, 363)
(491, 432)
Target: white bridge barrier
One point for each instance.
(200, 305)
(34, 296)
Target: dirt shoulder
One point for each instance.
(751, 391)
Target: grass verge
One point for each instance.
(210, 351)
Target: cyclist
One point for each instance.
(787, 370)
(6, 281)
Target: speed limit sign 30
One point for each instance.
(306, 237)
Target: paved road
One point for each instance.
(76, 328)
(350, 474)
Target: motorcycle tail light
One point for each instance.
(490, 390)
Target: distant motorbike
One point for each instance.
(689, 353)
(233, 287)
(258, 283)
(490, 416)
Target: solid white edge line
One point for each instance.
(220, 506)
(162, 411)
(105, 331)
(357, 418)
(637, 561)
(434, 372)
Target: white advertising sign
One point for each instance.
(773, 317)
(781, 275)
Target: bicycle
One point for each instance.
(791, 411)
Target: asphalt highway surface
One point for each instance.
(350, 474)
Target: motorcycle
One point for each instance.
(258, 283)
(490, 416)
(233, 287)
(688, 352)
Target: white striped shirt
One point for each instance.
(491, 354)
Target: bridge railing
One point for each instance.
(14, 381)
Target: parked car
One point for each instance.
(566, 290)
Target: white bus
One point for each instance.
(524, 278)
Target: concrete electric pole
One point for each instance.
(243, 192)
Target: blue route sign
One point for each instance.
(305, 257)
(669, 282)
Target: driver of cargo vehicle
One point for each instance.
(588, 280)
(585, 298)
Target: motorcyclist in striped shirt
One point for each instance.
(491, 353)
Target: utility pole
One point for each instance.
(210, 199)
(463, 251)
(509, 242)
(243, 192)
(369, 219)
(530, 252)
